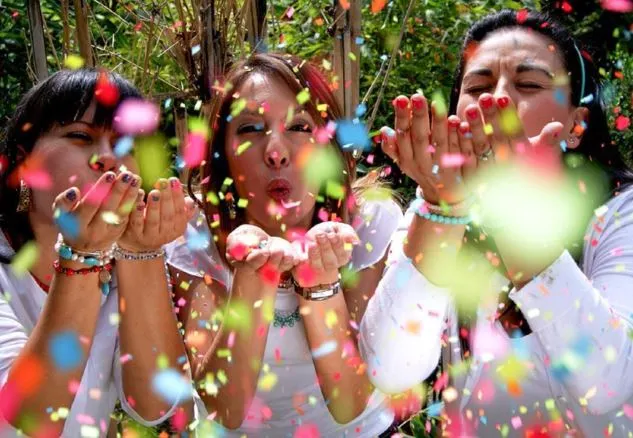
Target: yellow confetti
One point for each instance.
(334, 190)
(303, 96)
(509, 122)
(322, 107)
(327, 65)
(267, 382)
(242, 203)
(237, 107)
(449, 394)
(25, 258)
(73, 62)
(241, 148)
(369, 247)
(610, 354)
(331, 319)
(488, 129)
(162, 361)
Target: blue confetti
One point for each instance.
(123, 146)
(352, 135)
(361, 109)
(197, 240)
(360, 41)
(68, 224)
(587, 99)
(65, 350)
(560, 96)
(324, 349)
(563, 145)
(171, 386)
(435, 410)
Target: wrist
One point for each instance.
(326, 277)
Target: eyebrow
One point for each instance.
(524, 68)
(88, 124)
(249, 112)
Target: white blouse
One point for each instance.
(296, 399)
(573, 372)
(21, 302)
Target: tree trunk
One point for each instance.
(256, 22)
(36, 24)
(83, 33)
(347, 55)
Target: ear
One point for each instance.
(580, 117)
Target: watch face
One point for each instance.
(321, 294)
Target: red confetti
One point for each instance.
(622, 123)
(522, 15)
(305, 274)
(566, 7)
(179, 420)
(307, 431)
(238, 252)
(106, 92)
(269, 274)
(617, 5)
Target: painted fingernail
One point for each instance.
(472, 113)
(464, 129)
(140, 207)
(503, 102)
(156, 197)
(402, 102)
(417, 103)
(134, 182)
(71, 195)
(453, 123)
(126, 178)
(174, 183)
(110, 177)
(487, 102)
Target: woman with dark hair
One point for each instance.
(545, 347)
(279, 193)
(76, 332)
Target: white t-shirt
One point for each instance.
(574, 371)
(296, 398)
(21, 302)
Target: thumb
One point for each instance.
(544, 155)
(550, 135)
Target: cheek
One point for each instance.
(537, 112)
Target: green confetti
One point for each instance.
(25, 258)
(303, 96)
(334, 190)
(238, 317)
(162, 361)
(213, 198)
(227, 182)
(440, 103)
(241, 148)
(153, 159)
(199, 125)
(242, 203)
(323, 164)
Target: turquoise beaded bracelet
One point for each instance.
(438, 218)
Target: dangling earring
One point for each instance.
(230, 205)
(24, 200)
(572, 141)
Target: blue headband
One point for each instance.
(582, 76)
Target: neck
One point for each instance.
(45, 236)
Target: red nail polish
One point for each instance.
(453, 124)
(175, 184)
(472, 113)
(417, 104)
(402, 102)
(487, 102)
(503, 102)
(464, 130)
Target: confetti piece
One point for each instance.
(171, 386)
(331, 319)
(88, 431)
(303, 96)
(25, 258)
(136, 117)
(241, 148)
(334, 190)
(73, 62)
(106, 92)
(307, 431)
(123, 146)
(153, 160)
(509, 122)
(324, 349)
(628, 410)
(352, 135)
(488, 129)
(377, 6)
(267, 382)
(36, 178)
(65, 349)
(622, 6)
(452, 160)
(622, 123)
(110, 218)
(439, 103)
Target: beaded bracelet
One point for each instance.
(105, 277)
(460, 209)
(96, 258)
(122, 254)
(418, 207)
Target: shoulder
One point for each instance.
(195, 253)
(375, 223)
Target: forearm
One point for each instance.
(433, 248)
(148, 330)
(343, 381)
(72, 307)
(243, 336)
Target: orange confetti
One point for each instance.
(377, 6)
(514, 388)
(344, 4)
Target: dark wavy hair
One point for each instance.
(62, 98)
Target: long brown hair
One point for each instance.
(298, 75)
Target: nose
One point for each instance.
(277, 154)
(105, 160)
(504, 88)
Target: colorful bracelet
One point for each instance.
(96, 258)
(105, 277)
(461, 209)
(122, 254)
(420, 208)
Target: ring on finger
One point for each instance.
(403, 131)
(487, 155)
(263, 244)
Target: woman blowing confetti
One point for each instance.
(270, 326)
(508, 186)
(68, 317)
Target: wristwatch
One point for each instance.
(319, 292)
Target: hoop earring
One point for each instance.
(24, 200)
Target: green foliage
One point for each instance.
(619, 94)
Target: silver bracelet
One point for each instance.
(122, 254)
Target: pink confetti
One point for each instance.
(370, 159)
(231, 339)
(73, 386)
(96, 194)
(267, 413)
(179, 420)
(452, 160)
(195, 146)
(37, 178)
(136, 117)
(277, 355)
(125, 358)
(622, 123)
(516, 422)
(307, 431)
(617, 5)
(85, 419)
(628, 411)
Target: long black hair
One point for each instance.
(62, 98)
